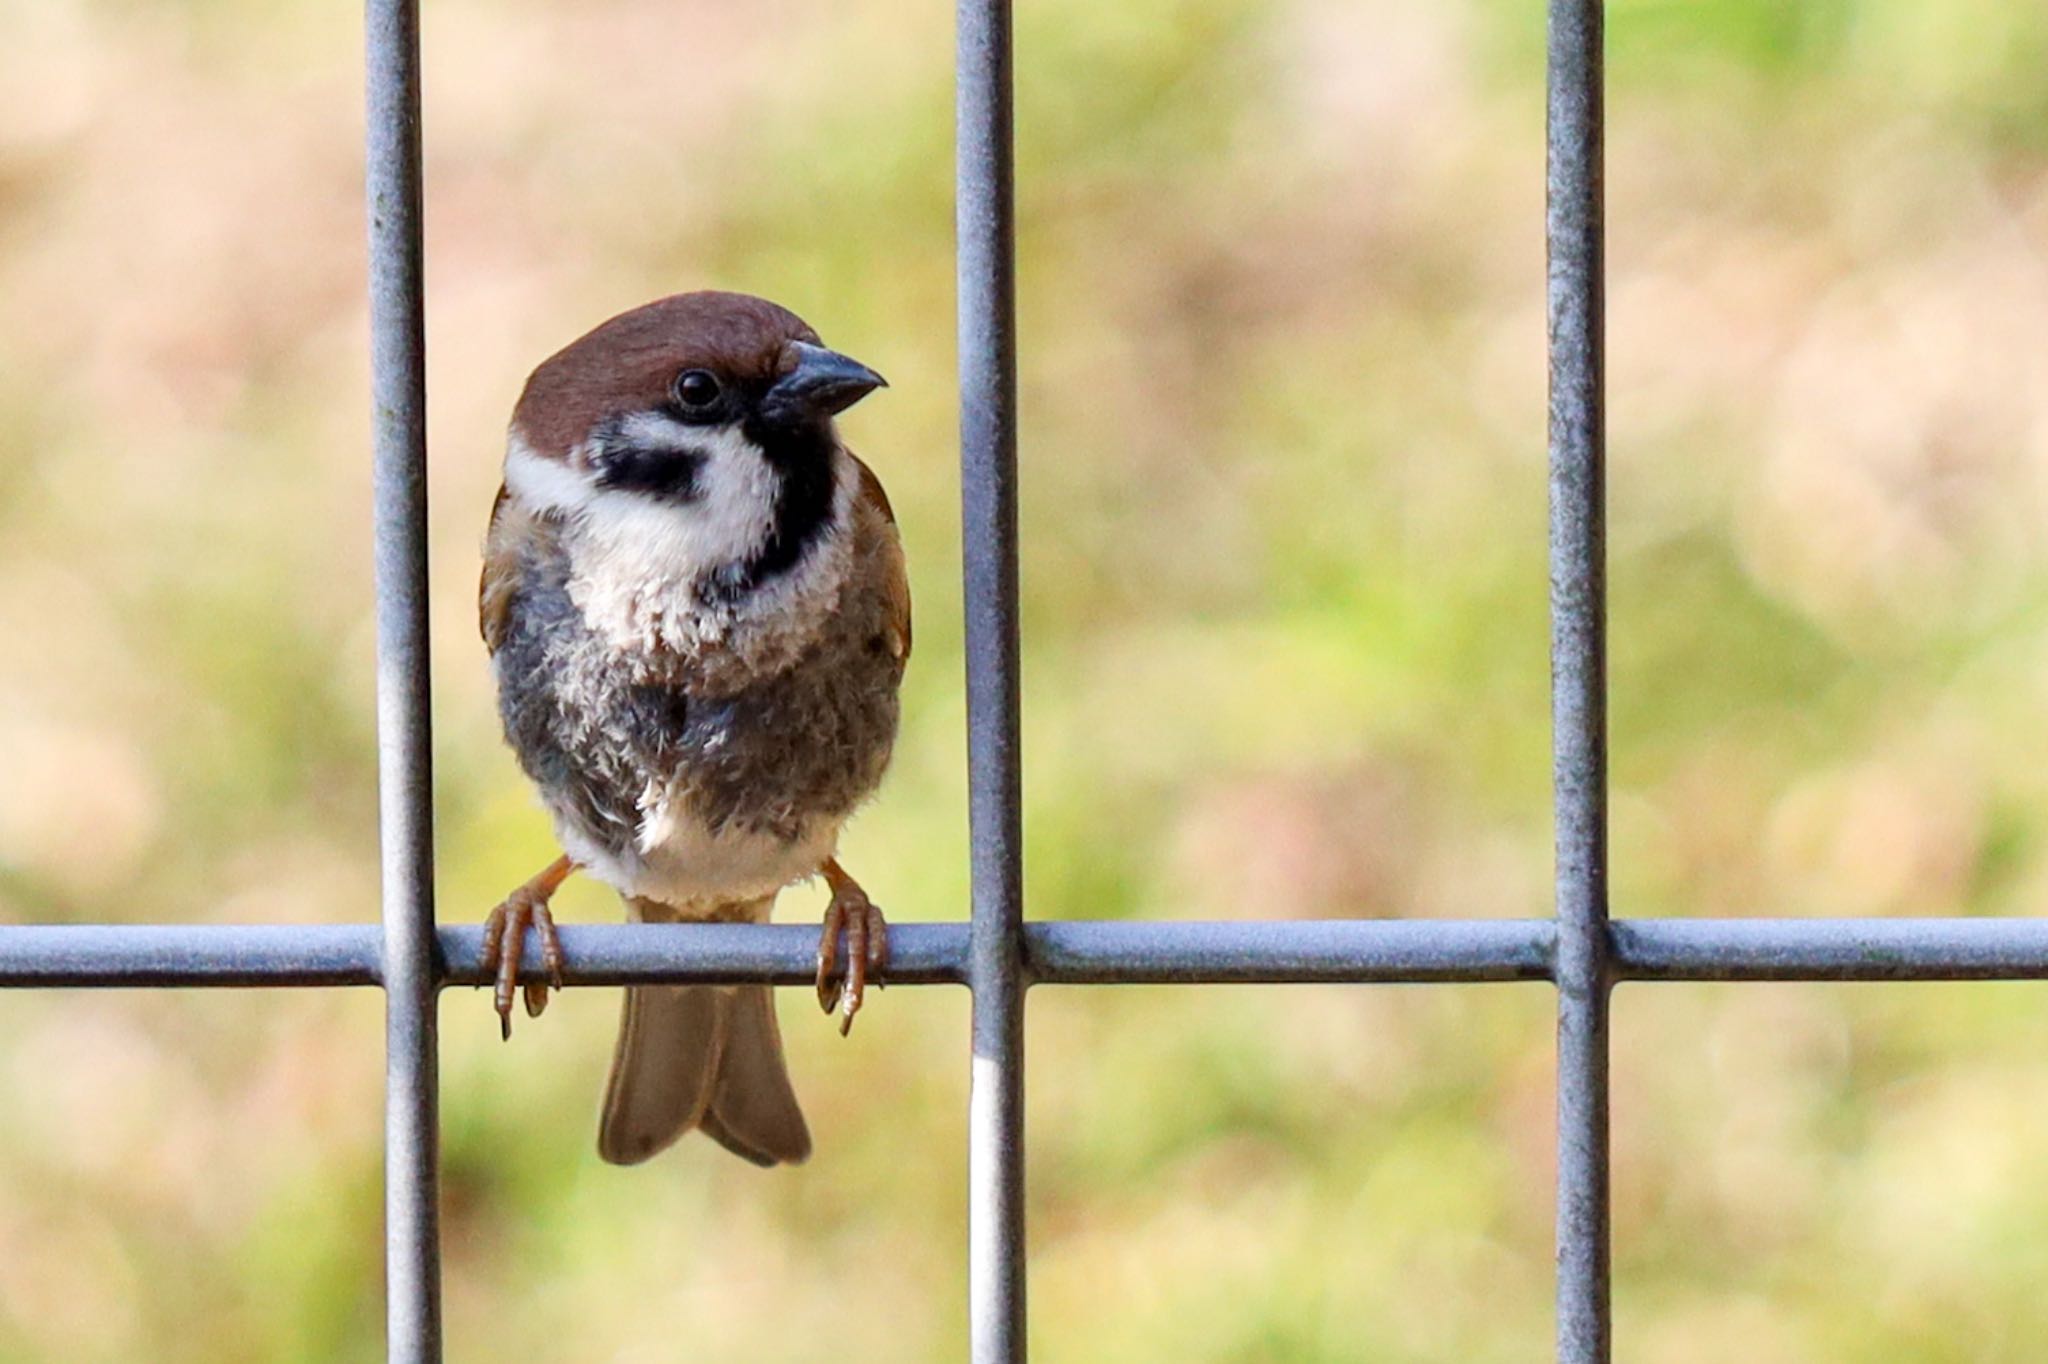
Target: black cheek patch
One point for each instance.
(670, 475)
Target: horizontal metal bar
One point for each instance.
(1293, 951)
(714, 954)
(1830, 949)
(142, 955)
(1062, 952)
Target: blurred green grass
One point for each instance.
(1281, 295)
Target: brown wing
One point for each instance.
(510, 527)
(896, 574)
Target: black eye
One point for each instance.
(697, 388)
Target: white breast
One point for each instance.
(682, 860)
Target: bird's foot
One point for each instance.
(867, 947)
(505, 944)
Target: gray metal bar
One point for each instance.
(1335, 951)
(412, 1251)
(984, 212)
(714, 954)
(1578, 651)
(1062, 952)
(135, 955)
(1831, 949)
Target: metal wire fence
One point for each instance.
(997, 954)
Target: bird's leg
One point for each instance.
(867, 945)
(505, 942)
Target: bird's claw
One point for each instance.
(867, 953)
(505, 946)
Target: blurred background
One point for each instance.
(1283, 424)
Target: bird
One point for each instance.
(697, 610)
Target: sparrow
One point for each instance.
(695, 602)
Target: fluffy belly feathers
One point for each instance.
(670, 791)
(682, 860)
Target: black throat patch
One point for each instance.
(802, 460)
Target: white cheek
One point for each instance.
(647, 540)
(543, 485)
(734, 512)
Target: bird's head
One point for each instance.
(645, 400)
(713, 410)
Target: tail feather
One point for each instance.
(753, 1110)
(700, 1056)
(663, 1070)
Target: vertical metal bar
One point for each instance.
(984, 209)
(1578, 649)
(412, 1252)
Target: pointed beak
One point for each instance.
(823, 384)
